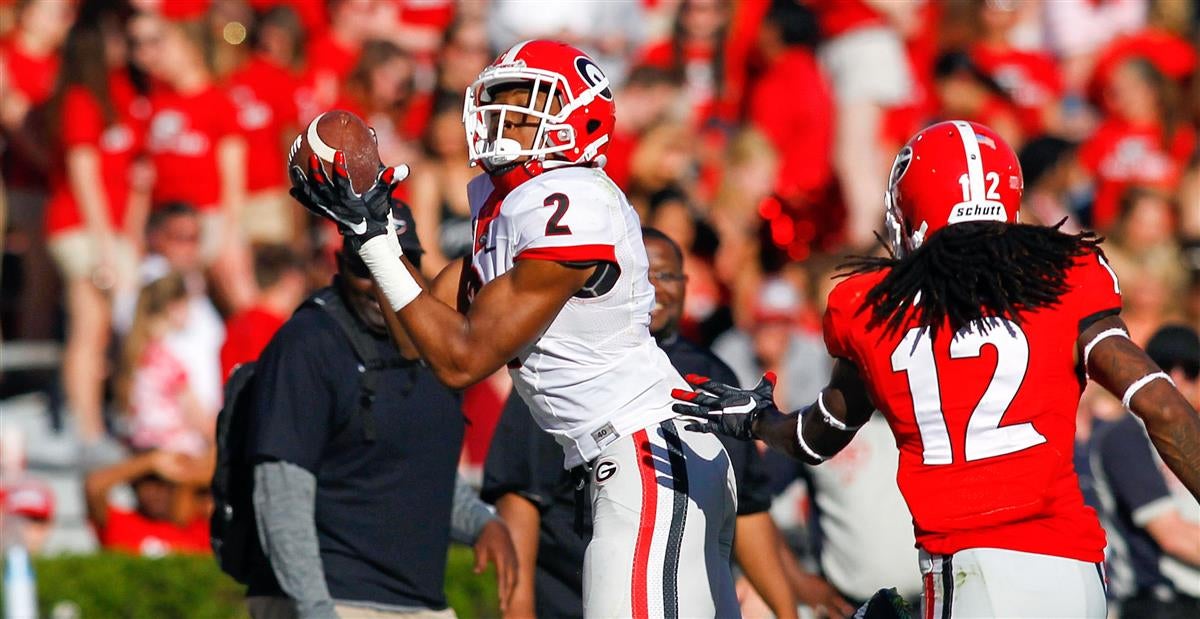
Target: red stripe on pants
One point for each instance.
(641, 552)
(929, 595)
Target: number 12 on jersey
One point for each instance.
(984, 437)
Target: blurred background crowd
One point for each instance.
(150, 244)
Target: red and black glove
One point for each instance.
(724, 409)
(361, 216)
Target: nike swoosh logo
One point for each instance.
(359, 228)
(739, 409)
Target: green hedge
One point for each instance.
(108, 585)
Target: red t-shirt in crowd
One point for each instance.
(117, 144)
(182, 141)
(264, 94)
(1120, 155)
(130, 531)
(246, 335)
(184, 10)
(1031, 79)
(838, 17)
(800, 128)
(994, 472)
(32, 75)
(620, 150)
(481, 405)
(1169, 53)
(327, 70)
(333, 55)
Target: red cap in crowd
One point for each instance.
(29, 498)
(778, 302)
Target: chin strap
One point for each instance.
(509, 179)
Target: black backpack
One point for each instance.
(233, 532)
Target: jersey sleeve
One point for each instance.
(564, 222)
(1094, 291)
(835, 325)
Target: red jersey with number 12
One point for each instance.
(984, 418)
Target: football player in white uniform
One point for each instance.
(557, 289)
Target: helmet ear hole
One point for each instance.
(593, 125)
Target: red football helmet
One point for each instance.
(577, 133)
(949, 173)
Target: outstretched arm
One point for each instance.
(506, 315)
(827, 425)
(813, 434)
(1124, 369)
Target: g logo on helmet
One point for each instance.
(591, 73)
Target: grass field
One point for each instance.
(118, 586)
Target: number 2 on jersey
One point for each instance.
(554, 227)
(985, 438)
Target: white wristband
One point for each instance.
(1142, 382)
(830, 420)
(803, 445)
(389, 272)
(1101, 336)
(392, 238)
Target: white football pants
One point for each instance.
(990, 582)
(664, 503)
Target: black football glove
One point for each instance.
(358, 215)
(724, 409)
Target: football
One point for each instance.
(339, 130)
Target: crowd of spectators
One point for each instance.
(147, 223)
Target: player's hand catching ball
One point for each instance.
(724, 409)
(360, 215)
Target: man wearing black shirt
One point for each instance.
(524, 478)
(355, 510)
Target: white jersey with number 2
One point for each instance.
(595, 374)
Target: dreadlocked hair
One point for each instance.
(972, 270)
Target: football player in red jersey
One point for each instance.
(975, 339)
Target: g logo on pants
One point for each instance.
(604, 471)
